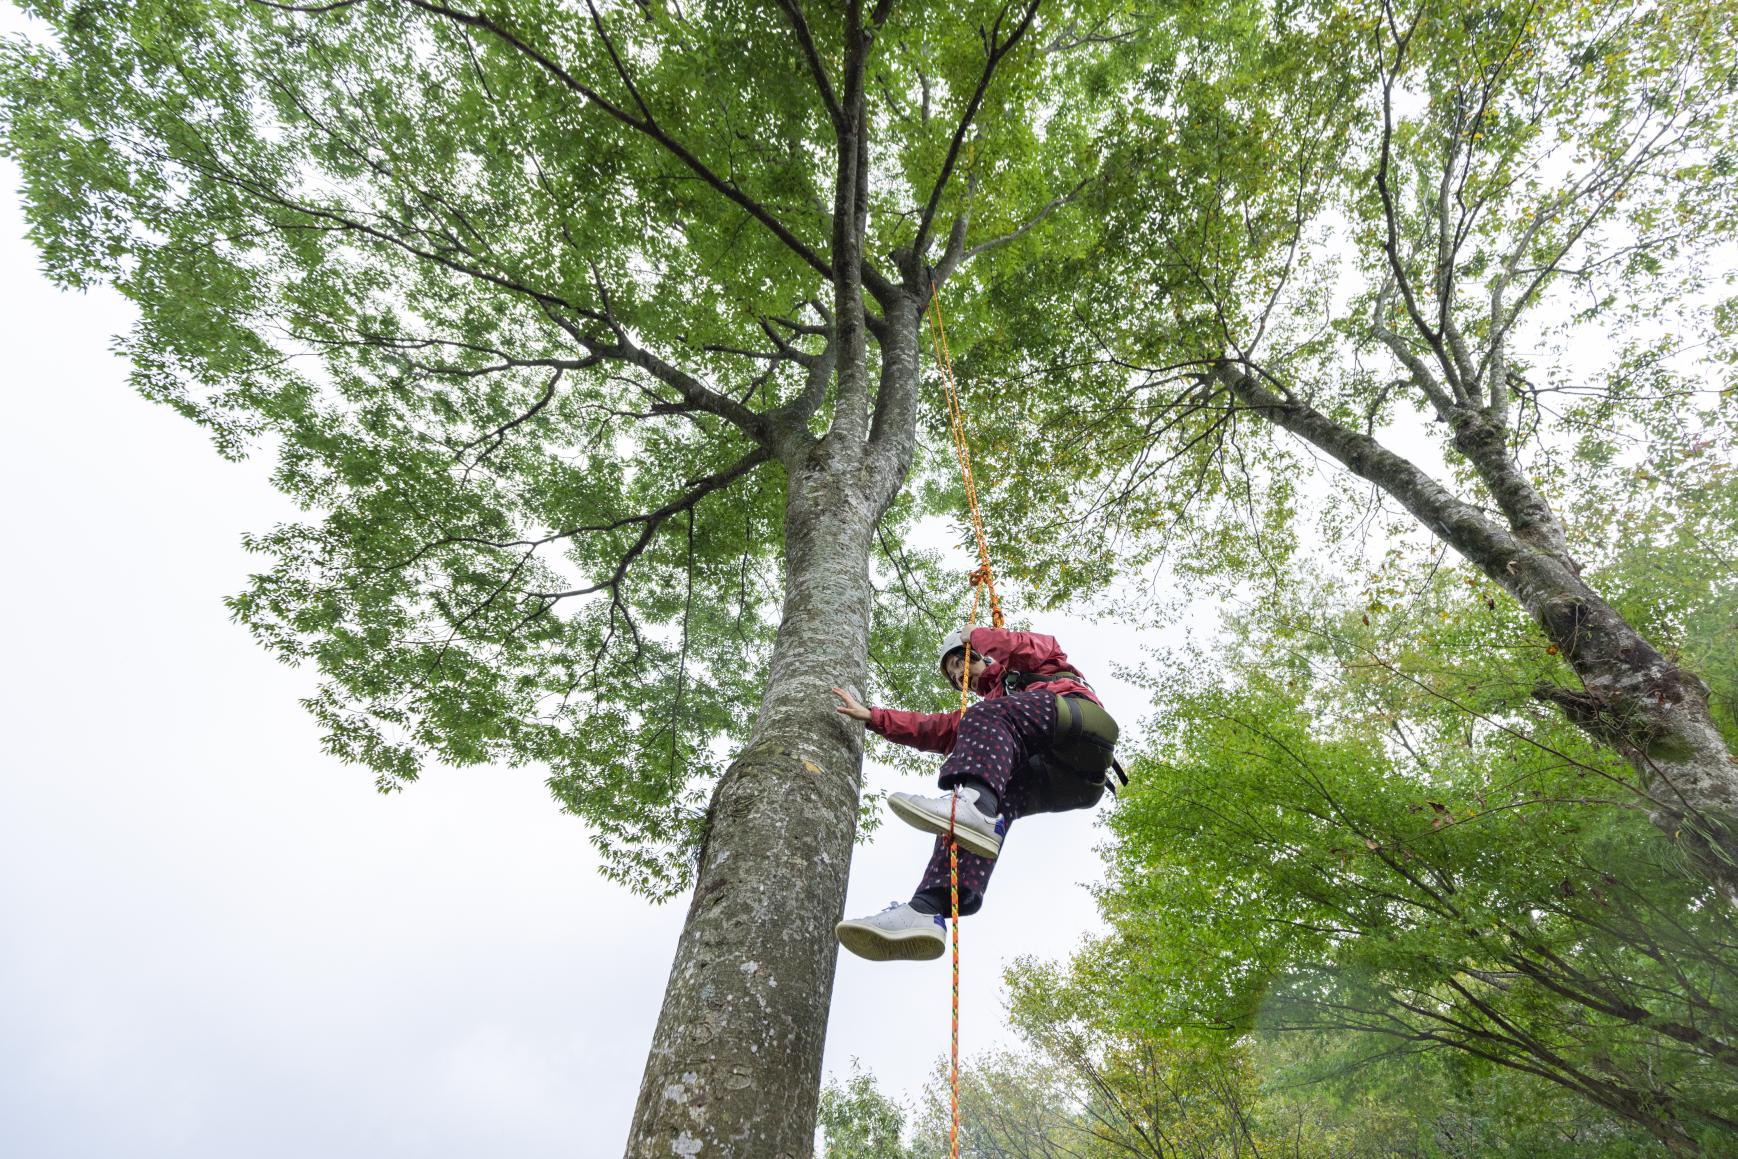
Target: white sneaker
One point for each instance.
(974, 831)
(896, 934)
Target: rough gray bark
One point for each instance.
(736, 1058)
(1632, 698)
(735, 1063)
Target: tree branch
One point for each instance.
(645, 124)
(1464, 527)
(997, 50)
(1459, 369)
(651, 521)
(1420, 372)
(794, 12)
(495, 437)
(1391, 212)
(791, 420)
(1486, 446)
(944, 267)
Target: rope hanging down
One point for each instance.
(982, 580)
(956, 418)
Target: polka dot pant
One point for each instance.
(996, 737)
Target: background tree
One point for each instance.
(1396, 833)
(1361, 829)
(859, 1122)
(587, 338)
(1079, 1088)
(1096, 1076)
(1470, 257)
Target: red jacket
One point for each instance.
(1006, 651)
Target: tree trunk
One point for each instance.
(1654, 713)
(735, 1064)
(1650, 710)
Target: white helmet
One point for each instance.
(950, 643)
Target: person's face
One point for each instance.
(956, 663)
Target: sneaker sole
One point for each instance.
(968, 838)
(882, 946)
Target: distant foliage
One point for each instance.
(1355, 825)
(859, 1122)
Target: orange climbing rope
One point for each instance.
(983, 579)
(953, 893)
(956, 417)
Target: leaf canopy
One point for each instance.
(514, 293)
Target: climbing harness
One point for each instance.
(983, 579)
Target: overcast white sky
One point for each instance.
(216, 941)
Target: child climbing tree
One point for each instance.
(587, 337)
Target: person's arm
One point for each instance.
(932, 732)
(1017, 651)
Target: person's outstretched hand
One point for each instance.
(850, 708)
